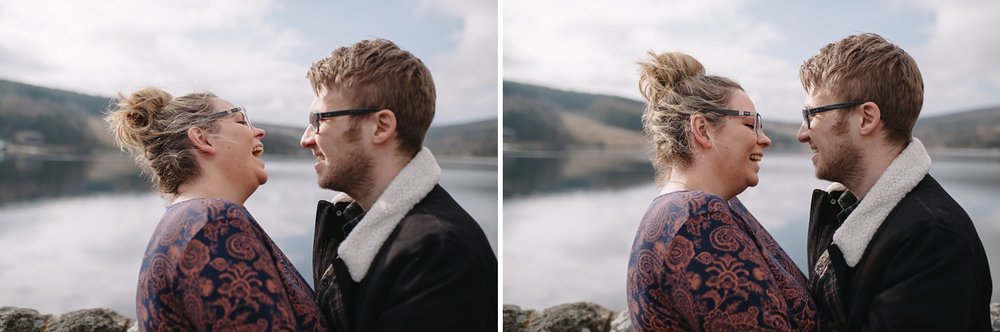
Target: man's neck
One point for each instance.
(384, 171)
(876, 161)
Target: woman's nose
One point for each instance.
(763, 139)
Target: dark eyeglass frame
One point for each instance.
(807, 112)
(236, 109)
(758, 124)
(316, 117)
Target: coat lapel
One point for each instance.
(407, 189)
(903, 174)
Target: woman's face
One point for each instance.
(239, 147)
(738, 145)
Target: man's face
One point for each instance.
(836, 155)
(343, 162)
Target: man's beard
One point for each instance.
(353, 173)
(844, 164)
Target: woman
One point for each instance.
(208, 265)
(700, 260)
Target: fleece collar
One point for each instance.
(903, 174)
(407, 189)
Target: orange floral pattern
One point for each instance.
(700, 263)
(209, 266)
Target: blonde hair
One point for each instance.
(152, 125)
(378, 74)
(867, 67)
(675, 86)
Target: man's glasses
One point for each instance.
(808, 112)
(758, 123)
(231, 111)
(315, 118)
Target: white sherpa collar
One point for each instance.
(903, 174)
(407, 189)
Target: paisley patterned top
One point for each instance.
(209, 266)
(700, 263)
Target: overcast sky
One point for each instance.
(594, 46)
(252, 52)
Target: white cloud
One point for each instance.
(238, 49)
(595, 48)
(466, 76)
(959, 61)
(227, 46)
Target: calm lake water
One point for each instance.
(72, 232)
(569, 221)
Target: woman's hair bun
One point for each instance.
(662, 72)
(135, 114)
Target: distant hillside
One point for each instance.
(537, 117)
(41, 116)
(87, 103)
(474, 139)
(541, 118)
(972, 129)
(49, 120)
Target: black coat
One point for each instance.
(435, 272)
(924, 268)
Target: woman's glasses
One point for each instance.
(231, 111)
(758, 123)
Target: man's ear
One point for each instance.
(199, 139)
(871, 117)
(385, 127)
(699, 131)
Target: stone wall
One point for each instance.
(590, 317)
(579, 316)
(30, 320)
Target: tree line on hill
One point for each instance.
(57, 121)
(542, 118)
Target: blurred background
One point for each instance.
(576, 176)
(75, 215)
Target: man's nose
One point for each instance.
(803, 134)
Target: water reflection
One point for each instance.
(28, 178)
(571, 241)
(526, 174)
(72, 232)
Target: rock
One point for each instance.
(20, 319)
(589, 317)
(622, 322)
(87, 320)
(580, 316)
(515, 319)
(995, 315)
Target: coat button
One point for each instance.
(832, 201)
(340, 213)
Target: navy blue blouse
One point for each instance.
(209, 266)
(700, 263)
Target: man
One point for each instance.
(889, 249)
(393, 252)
